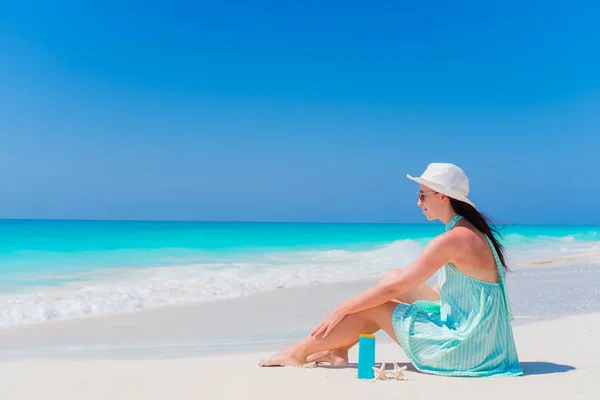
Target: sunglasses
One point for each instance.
(422, 194)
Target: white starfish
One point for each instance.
(399, 372)
(380, 372)
(310, 365)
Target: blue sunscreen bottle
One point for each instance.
(366, 356)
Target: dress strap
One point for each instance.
(502, 278)
(453, 222)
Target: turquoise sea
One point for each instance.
(63, 269)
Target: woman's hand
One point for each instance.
(328, 323)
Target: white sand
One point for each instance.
(561, 359)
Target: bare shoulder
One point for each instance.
(454, 237)
(449, 246)
(462, 233)
(435, 254)
(457, 240)
(442, 243)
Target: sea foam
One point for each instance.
(134, 289)
(233, 276)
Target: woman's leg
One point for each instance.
(344, 334)
(339, 356)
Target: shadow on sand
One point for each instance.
(543, 368)
(529, 367)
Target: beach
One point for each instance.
(210, 350)
(136, 310)
(551, 371)
(189, 189)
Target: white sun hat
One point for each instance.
(447, 179)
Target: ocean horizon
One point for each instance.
(56, 269)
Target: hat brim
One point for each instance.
(441, 189)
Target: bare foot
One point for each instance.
(282, 359)
(335, 357)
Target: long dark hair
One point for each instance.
(482, 223)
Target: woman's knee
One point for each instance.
(421, 292)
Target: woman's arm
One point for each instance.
(435, 254)
(396, 282)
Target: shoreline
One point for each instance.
(573, 257)
(588, 258)
(127, 290)
(267, 320)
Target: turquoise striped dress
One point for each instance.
(466, 333)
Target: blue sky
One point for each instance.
(271, 111)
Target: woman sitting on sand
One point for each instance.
(460, 328)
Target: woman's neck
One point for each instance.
(447, 217)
